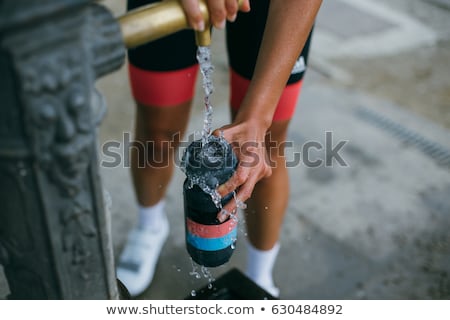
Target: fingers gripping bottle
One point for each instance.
(209, 242)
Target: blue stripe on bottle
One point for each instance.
(212, 244)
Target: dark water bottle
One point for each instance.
(209, 242)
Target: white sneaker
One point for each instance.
(138, 260)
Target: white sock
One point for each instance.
(151, 217)
(260, 265)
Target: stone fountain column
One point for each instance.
(55, 238)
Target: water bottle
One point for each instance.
(209, 242)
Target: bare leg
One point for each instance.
(159, 130)
(267, 206)
(265, 212)
(158, 133)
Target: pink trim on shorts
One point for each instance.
(162, 88)
(286, 105)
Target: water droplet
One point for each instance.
(193, 293)
(239, 204)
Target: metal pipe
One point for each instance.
(203, 38)
(160, 19)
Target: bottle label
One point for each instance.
(211, 237)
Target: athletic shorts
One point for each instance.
(163, 72)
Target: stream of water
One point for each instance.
(206, 69)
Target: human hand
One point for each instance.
(247, 140)
(219, 11)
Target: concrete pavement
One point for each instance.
(373, 225)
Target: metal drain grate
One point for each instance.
(439, 153)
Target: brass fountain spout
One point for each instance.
(157, 20)
(203, 38)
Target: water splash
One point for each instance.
(202, 182)
(206, 68)
(208, 275)
(199, 272)
(194, 271)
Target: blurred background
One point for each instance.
(373, 226)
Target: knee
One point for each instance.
(156, 148)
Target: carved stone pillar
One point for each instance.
(55, 240)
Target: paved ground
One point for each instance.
(374, 228)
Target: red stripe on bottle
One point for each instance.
(210, 231)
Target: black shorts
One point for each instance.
(172, 59)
